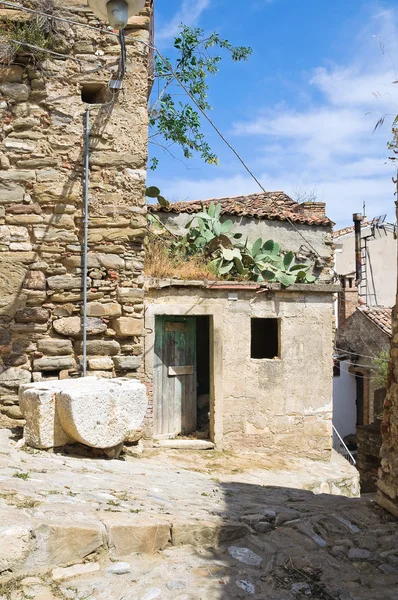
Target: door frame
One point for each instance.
(152, 310)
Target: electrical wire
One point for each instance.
(65, 20)
(243, 163)
(58, 54)
(357, 354)
(192, 98)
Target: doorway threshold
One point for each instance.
(190, 444)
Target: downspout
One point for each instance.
(85, 248)
(357, 217)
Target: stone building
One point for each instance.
(253, 359)
(43, 104)
(387, 495)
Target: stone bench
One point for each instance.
(100, 413)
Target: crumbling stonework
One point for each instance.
(41, 198)
(387, 495)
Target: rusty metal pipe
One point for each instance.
(357, 218)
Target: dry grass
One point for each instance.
(159, 263)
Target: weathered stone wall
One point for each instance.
(41, 199)
(283, 405)
(387, 495)
(359, 334)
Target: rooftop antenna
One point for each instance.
(364, 209)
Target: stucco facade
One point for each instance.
(381, 268)
(282, 404)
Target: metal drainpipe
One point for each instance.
(357, 218)
(85, 251)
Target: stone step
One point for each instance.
(33, 546)
(181, 444)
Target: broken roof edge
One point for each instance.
(325, 288)
(273, 206)
(379, 316)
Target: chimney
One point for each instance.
(357, 218)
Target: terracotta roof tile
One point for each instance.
(349, 229)
(270, 205)
(380, 316)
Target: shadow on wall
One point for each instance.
(298, 545)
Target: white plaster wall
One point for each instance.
(344, 401)
(383, 260)
(282, 405)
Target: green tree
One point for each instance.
(176, 122)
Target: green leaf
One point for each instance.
(257, 246)
(217, 211)
(203, 215)
(239, 266)
(217, 228)
(287, 260)
(212, 210)
(226, 226)
(215, 265)
(226, 268)
(285, 279)
(301, 275)
(227, 253)
(163, 202)
(152, 192)
(237, 236)
(299, 267)
(268, 275)
(269, 246)
(310, 278)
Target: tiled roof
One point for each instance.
(380, 316)
(349, 229)
(269, 205)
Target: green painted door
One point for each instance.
(175, 393)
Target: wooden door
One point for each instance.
(175, 394)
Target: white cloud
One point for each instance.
(329, 144)
(189, 14)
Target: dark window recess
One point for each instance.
(336, 368)
(264, 338)
(95, 93)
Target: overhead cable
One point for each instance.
(65, 20)
(193, 99)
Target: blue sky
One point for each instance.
(302, 110)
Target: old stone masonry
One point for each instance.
(42, 109)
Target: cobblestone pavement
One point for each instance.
(230, 537)
(302, 546)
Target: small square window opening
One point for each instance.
(95, 93)
(264, 338)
